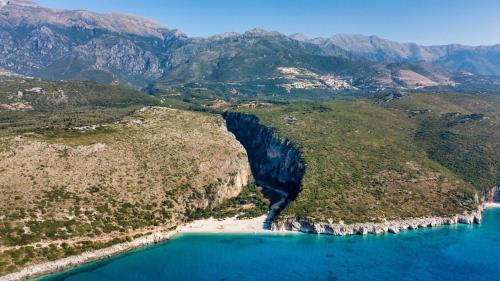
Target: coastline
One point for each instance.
(246, 226)
(491, 205)
(229, 225)
(38, 270)
(395, 226)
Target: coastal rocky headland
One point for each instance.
(340, 229)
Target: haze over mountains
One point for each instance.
(62, 44)
(483, 60)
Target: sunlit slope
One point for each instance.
(67, 191)
(366, 162)
(459, 131)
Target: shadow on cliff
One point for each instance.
(276, 164)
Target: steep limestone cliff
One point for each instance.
(276, 163)
(493, 195)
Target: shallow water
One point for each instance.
(445, 253)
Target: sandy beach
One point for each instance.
(491, 205)
(229, 225)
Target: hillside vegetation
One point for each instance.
(369, 162)
(64, 191)
(461, 132)
(28, 105)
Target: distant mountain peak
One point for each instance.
(223, 36)
(300, 37)
(262, 32)
(119, 23)
(78, 44)
(23, 3)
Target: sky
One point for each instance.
(428, 22)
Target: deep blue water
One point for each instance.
(445, 253)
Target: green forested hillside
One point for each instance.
(459, 131)
(34, 105)
(367, 162)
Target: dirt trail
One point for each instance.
(276, 207)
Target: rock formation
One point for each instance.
(274, 160)
(340, 229)
(276, 164)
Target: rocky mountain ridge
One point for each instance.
(453, 57)
(63, 44)
(29, 13)
(142, 53)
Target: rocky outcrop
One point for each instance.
(237, 176)
(341, 229)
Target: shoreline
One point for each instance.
(60, 265)
(491, 205)
(246, 226)
(228, 225)
(394, 226)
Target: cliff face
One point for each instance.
(235, 174)
(493, 195)
(275, 162)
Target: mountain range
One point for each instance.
(135, 51)
(483, 60)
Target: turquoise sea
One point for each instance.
(445, 253)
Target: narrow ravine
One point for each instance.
(276, 207)
(276, 164)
